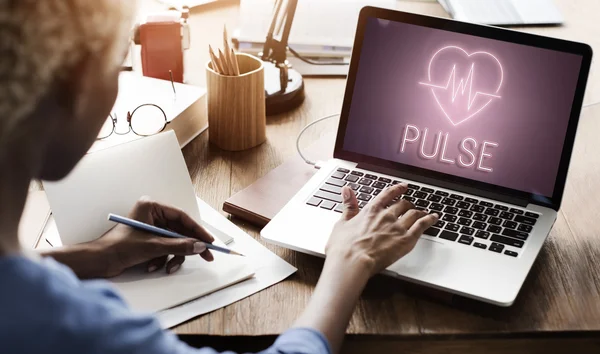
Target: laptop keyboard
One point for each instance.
(466, 220)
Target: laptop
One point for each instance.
(479, 121)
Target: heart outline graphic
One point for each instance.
(462, 85)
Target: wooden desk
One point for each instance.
(558, 308)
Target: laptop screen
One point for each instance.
(483, 109)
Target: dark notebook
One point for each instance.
(259, 202)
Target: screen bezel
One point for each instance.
(460, 183)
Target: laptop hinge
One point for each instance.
(522, 202)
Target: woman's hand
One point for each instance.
(124, 247)
(383, 232)
(363, 243)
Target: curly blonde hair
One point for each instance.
(41, 40)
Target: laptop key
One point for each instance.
(492, 212)
(439, 223)
(336, 182)
(465, 213)
(494, 229)
(343, 170)
(480, 245)
(486, 204)
(471, 200)
(457, 197)
(365, 181)
(496, 247)
(477, 208)
(506, 215)
(516, 234)
(354, 186)
(338, 175)
(532, 215)
(331, 189)
(467, 231)
(511, 253)
(450, 210)
(364, 197)
(395, 182)
(434, 198)
(329, 196)
(449, 201)
(436, 207)
(385, 180)
(501, 207)
(379, 185)
(362, 204)
(479, 225)
(326, 204)
(463, 205)
(352, 178)
(507, 241)
(510, 224)
(524, 228)
(420, 195)
(480, 217)
(426, 190)
(452, 227)
(432, 231)
(409, 192)
(357, 173)
(422, 203)
(495, 221)
(376, 192)
(447, 235)
(314, 201)
(442, 193)
(370, 176)
(339, 208)
(482, 234)
(413, 186)
(465, 240)
(525, 220)
(464, 222)
(366, 189)
(516, 211)
(410, 199)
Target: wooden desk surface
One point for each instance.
(562, 292)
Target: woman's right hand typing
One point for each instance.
(378, 235)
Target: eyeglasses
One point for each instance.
(147, 119)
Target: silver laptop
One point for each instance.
(479, 121)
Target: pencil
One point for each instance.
(164, 233)
(224, 63)
(216, 66)
(236, 67)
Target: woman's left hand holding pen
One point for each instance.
(123, 247)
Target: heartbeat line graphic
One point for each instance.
(463, 85)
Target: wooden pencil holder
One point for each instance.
(236, 105)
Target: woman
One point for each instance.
(59, 67)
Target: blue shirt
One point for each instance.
(45, 308)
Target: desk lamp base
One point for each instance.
(278, 100)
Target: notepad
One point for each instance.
(111, 181)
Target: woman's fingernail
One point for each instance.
(346, 194)
(199, 247)
(174, 269)
(152, 269)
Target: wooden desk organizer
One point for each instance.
(236, 105)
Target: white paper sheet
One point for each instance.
(112, 180)
(269, 269)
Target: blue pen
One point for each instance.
(162, 232)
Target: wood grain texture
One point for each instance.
(236, 105)
(561, 296)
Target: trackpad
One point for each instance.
(428, 259)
